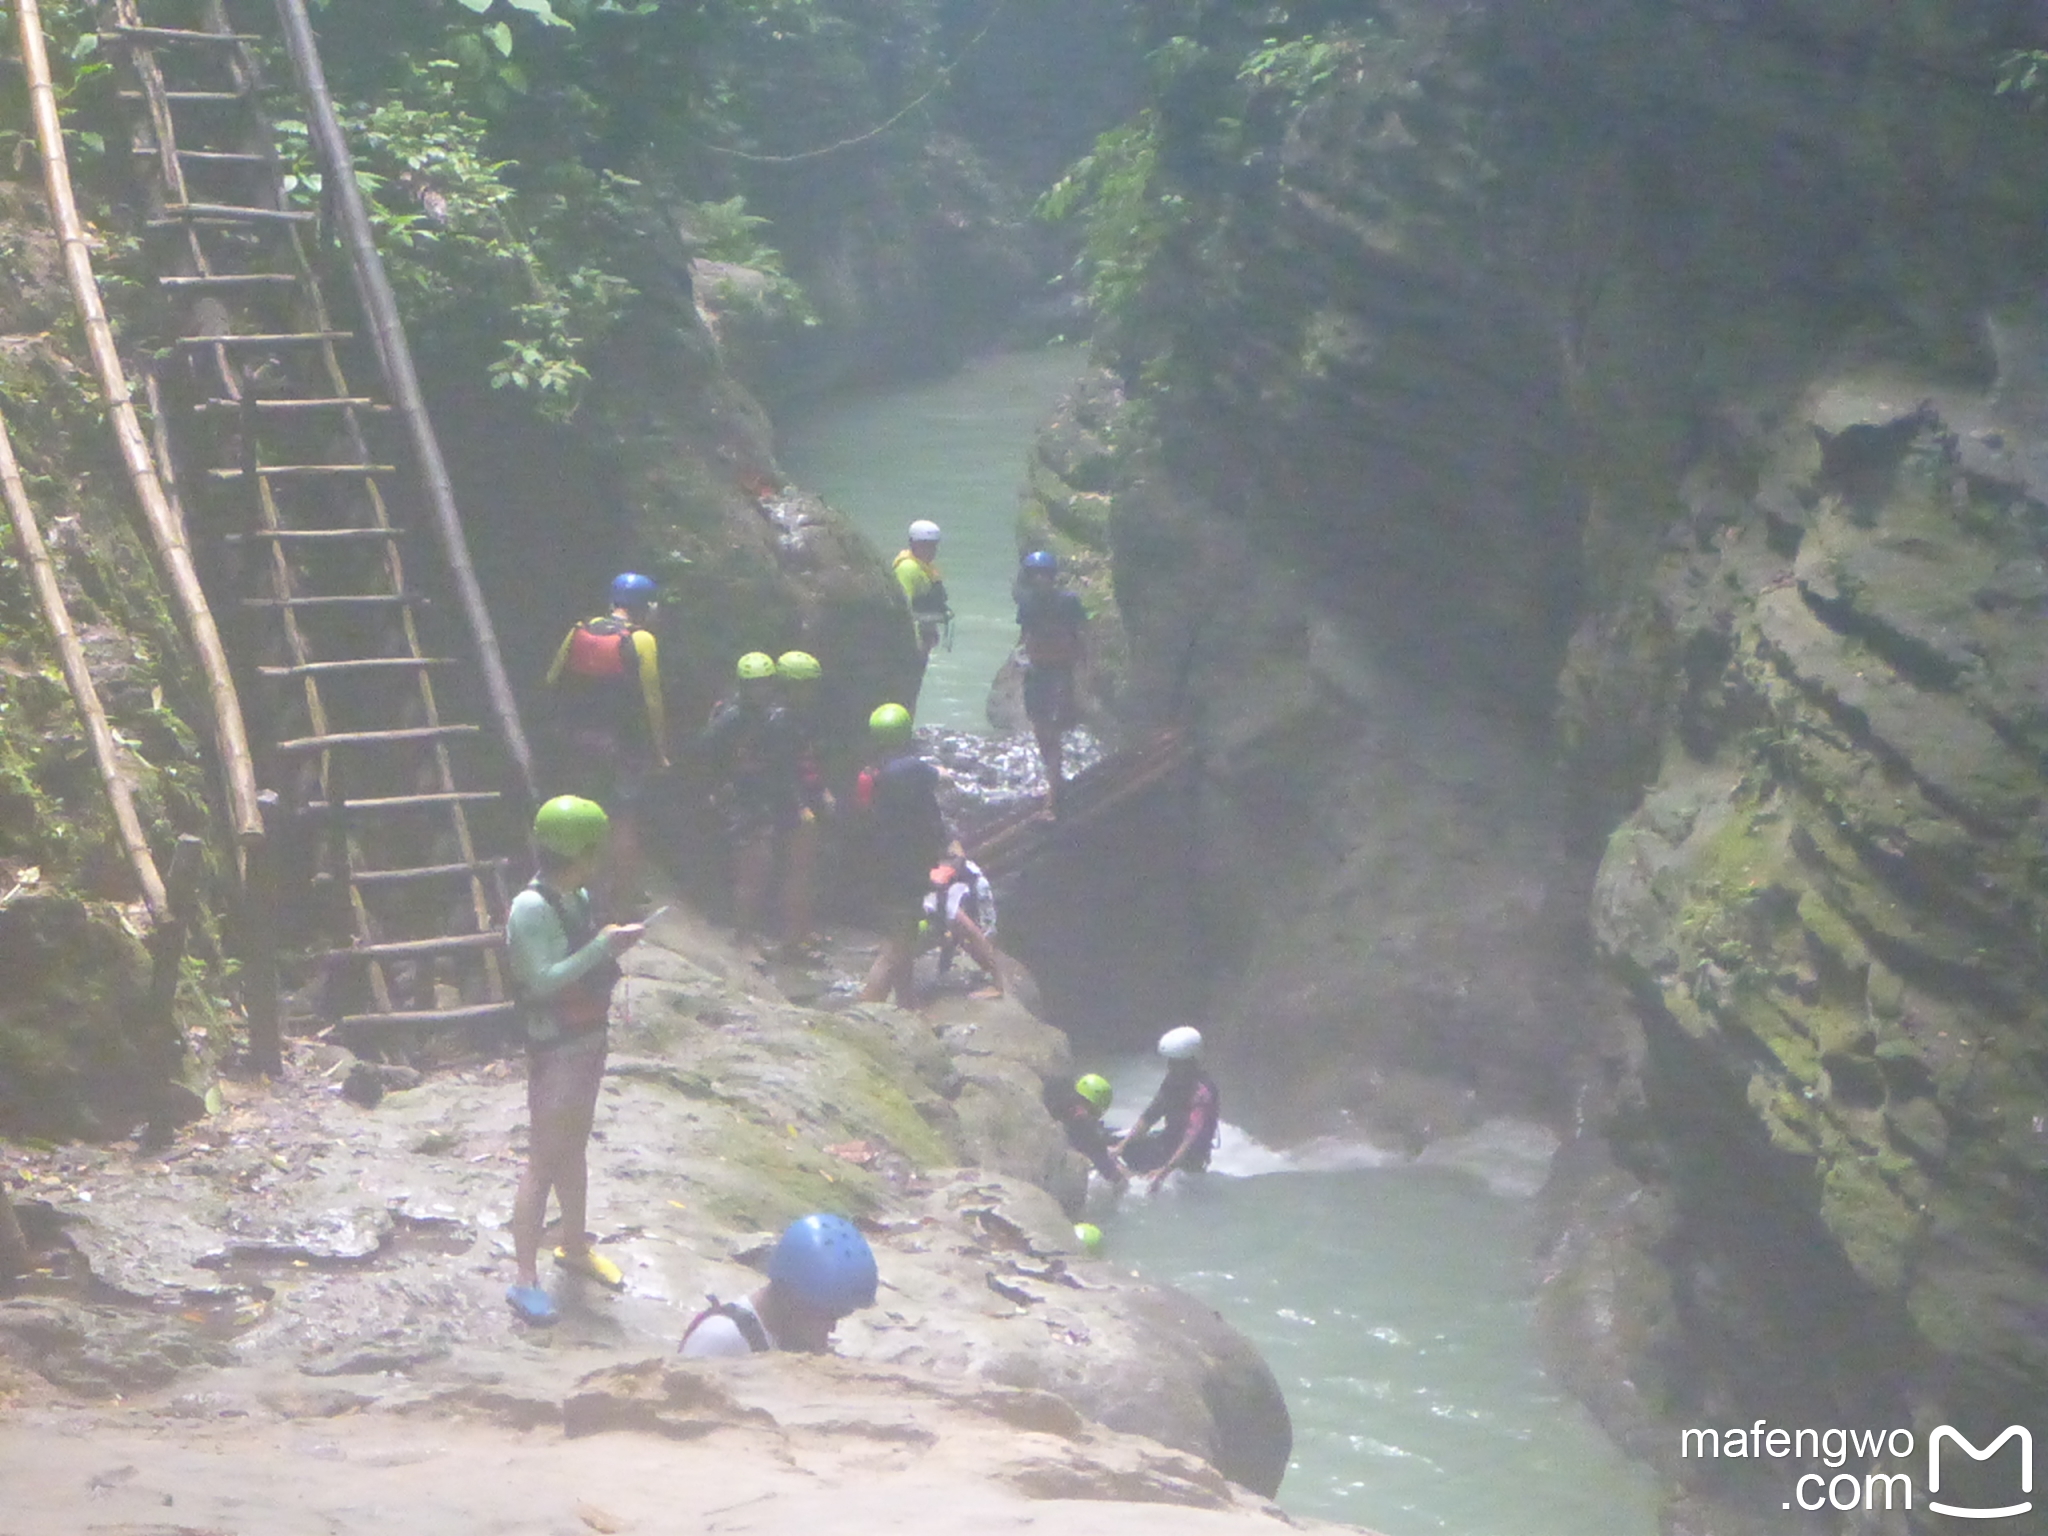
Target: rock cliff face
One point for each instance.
(1582, 485)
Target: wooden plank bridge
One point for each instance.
(1005, 844)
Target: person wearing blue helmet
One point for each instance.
(822, 1269)
(611, 725)
(1051, 624)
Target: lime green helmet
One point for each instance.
(570, 826)
(1088, 1235)
(890, 726)
(1094, 1087)
(754, 666)
(798, 667)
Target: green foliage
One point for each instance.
(2021, 73)
(1297, 67)
(1127, 214)
(465, 249)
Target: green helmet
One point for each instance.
(1088, 1235)
(570, 826)
(1094, 1087)
(798, 667)
(890, 726)
(754, 666)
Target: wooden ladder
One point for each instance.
(283, 425)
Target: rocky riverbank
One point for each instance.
(301, 1289)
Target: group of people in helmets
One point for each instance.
(1176, 1131)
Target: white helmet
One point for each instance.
(924, 531)
(1183, 1044)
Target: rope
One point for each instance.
(943, 79)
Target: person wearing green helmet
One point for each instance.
(802, 680)
(907, 835)
(563, 967)
(755, 750)
(1079, 1106)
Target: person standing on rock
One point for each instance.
(756, 748)
(801, 678)
(563, 970)
(1051, 624)
(917, 573)
(605, 685)
(822, 1270)
(906, 837)
(1187, 1111)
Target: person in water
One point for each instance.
(605, 685)
(756, 748)
(1079, 1107)
(822, 1270)
(906, 837)
(1051, 624)
(924, 589)
(1186, 1110)
(563, 970)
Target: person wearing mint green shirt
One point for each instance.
(563, 970)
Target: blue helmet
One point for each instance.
(1042, 560)
(632, 590)
(827, 1263)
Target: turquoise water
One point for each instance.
(1394, 1301)
(953, 451)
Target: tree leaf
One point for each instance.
(479, 6)
(540, 10)
(501, 37)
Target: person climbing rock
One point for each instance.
(801, 679)
(1186, 1110)
(755, 748)
(611, 727)
(563, 970)
(1051, 624)
(960, 913)
(1079, 1107)
(822, 1269)
(917, 572)
(906, 836)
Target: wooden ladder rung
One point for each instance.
(399, 802)
(264, 339)
(218, 156)
(356, 664)
(339, 600)
(475, 1013)
(383, 951)
(336, 402)
(421, 872)
(317, 535)
(230, 280)
(174, 35)
(373, 738)
(188, 95)
(284, 471)
(176, 214)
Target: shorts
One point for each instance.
(562, 1082)
(606, 767)
(1049, 696)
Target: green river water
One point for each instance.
(1394, 1300)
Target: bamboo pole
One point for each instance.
(380, 308)
(71, 656)
(166, 531)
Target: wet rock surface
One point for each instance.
(298, 1255)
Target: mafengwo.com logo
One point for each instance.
(1999, 1473)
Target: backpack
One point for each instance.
(742, 1318)
(602, 648)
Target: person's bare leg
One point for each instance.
(892, 971)
(799, 882)
(977, 945)
(753, 866)
(530, 1205)
(1050, 756)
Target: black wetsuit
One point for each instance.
(1085, 1130)
(1186, 1100)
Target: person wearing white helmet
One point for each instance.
(1186, 1110)
(917, 572)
